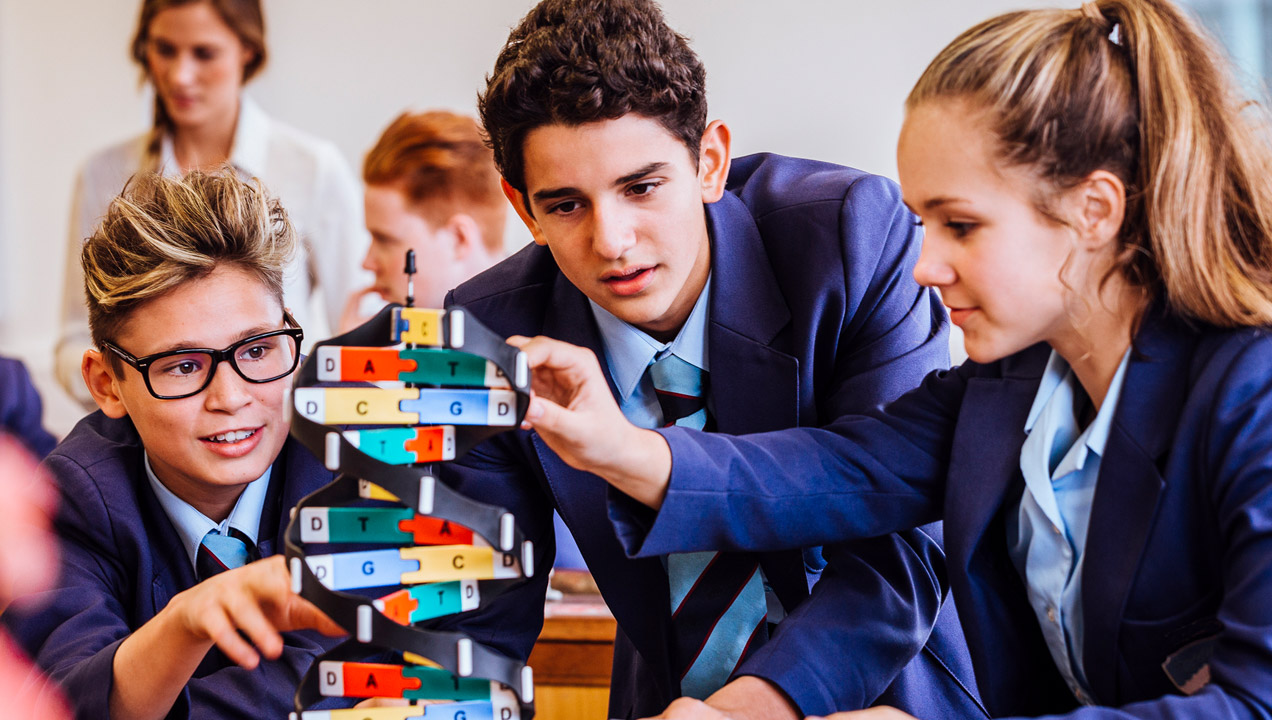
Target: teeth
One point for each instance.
(234, 436)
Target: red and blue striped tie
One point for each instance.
(718, 610)
(218, 553)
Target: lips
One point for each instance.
(233, 443)
(183, 102)
(231, 436)
(629, 280)
(959, 316)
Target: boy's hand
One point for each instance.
(574, 412)
(746, 698)
(154, 663)
(687, 708)
(256, 600)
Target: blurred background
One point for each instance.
(824, 79)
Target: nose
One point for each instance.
(612, 232)
(183, 69)
(369, 261)
(227, 392)
(933, 268)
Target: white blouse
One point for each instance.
(309, 177)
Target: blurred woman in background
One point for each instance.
(198, 55)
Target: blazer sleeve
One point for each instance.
(21, 411)
(871, 611)
(894, 331)
(74, 630)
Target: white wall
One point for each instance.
(814, 78)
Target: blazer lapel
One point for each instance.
(1127, 493)
(754, 384)
(755, 387)
(984, 484)
(985, 454)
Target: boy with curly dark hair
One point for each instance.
(737, 296)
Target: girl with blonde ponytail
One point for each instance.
(1098, 219)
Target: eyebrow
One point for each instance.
(190, 345)
(554, 193)
(937, 202)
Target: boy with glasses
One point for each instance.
(186, 475)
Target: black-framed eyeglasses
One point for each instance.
(181, 373)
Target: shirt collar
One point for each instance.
(192, 525)
(1096, 435)
(629, 350)
(250, 145)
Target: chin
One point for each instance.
(981, 351)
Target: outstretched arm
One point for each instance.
(252, 603)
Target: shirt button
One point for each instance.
(1051, 614)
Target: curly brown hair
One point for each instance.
(572, 62)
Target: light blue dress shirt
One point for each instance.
(1047, 536)
(629, 351)
(192, 525)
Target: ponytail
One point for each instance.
(1133, 87)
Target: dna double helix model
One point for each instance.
(399, 547)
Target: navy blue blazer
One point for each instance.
(1177, 591)
(21, 409)
(814, 314)
(122, 561)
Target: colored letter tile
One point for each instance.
(448, 562)
(432, 444)
(451, 367)
(420, 326)
(384, 444)
(436, 531)
(436, 684)
(463, 407)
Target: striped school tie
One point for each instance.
(718, 609)
(218, 553)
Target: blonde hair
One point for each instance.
(163, 232)
(1134, 88)
(442, 165)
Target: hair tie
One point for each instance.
(1092, 12)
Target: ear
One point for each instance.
(1099, 205)
(713, 161)
(465, 234)
(519, 204)
(102, 384)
